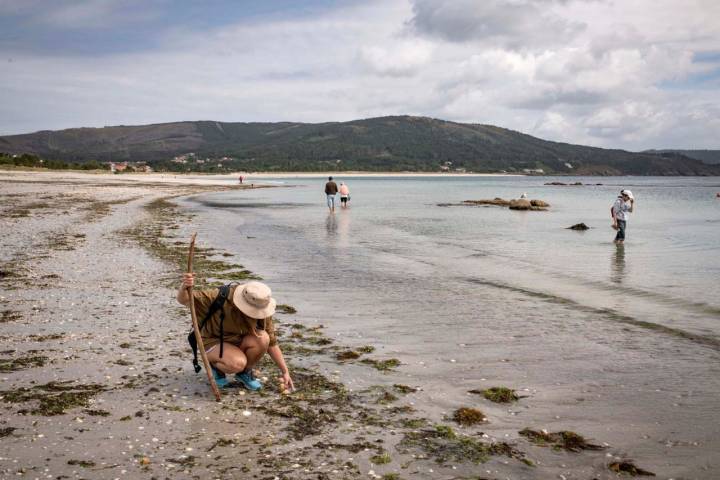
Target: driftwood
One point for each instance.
(196, 326)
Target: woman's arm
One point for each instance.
(277, 357)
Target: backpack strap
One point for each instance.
(217, 304)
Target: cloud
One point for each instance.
(634, 74)
(505, 23)
(402, 59)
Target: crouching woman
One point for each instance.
(239, 333)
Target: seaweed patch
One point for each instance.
(564, 440)
(53, 398)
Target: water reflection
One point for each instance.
(331, 225)
(343, 228)
(617, 266)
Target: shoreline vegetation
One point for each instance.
(119, 373)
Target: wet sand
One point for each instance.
(97, 380)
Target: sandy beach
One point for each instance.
(97, 380)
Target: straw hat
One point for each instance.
(628, 193)
(255, 300)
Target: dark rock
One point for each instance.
(520, 204)
(500, 202)
(579, 226)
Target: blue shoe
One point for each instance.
(220, 379)
(249, 380)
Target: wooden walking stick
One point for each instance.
(196, 326)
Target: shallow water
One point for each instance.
(621, 344)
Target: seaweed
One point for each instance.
(185, 461)
(283, 308)
(347, 355)
(4, 432)
(221, 442)
(467, 416)
(444, 445)
(43, 338)
(382, 365)
(53, 398)
(366, 349)
(9, 316)
(628, 467)
(386, 398)
(97, 413)
(563, 440)
(404, 388)
(498, 394)
(381, 459)
(15, 364)
(81, 463)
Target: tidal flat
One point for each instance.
(112, 392)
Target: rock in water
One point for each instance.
(496, 201)
(520, 204)
(579, 226)
(539, 203)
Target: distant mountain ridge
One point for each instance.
(711, 157)
(397, 143)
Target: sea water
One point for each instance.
(618, 343)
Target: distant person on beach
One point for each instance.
(620, 213)
(239, 333)
(240, 178)
(344, 195)
(331, 189)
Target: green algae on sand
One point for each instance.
(498, 394)
(21, 363)
(563, 440)
(382, 365)
(53, 398)
(444, 445)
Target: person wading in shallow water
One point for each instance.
(344, 195)
(620, 212)
(331, 190)
(239, 333)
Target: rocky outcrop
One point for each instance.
(520, 204)
(500, 202)
(579, 226)
(576, 184)
(515, 204)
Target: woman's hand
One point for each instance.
(188, 280)
(287, 382)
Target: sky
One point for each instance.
(630, 74)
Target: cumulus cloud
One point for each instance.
(506, 23)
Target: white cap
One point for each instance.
(628, 193)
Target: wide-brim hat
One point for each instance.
(255, 300)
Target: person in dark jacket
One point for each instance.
(331, 189)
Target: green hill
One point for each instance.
(401, 143)
(711, 157)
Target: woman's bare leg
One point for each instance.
(232, 361)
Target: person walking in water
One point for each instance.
(331, 189)
(344, 195)
(620, 213)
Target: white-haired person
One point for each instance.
(239, 330)
(620, 213)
